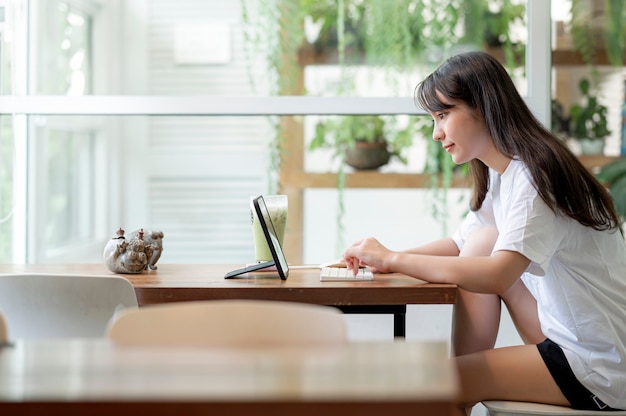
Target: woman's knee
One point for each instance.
(522, 308)
(480, 242)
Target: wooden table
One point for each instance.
(94, 377)
(387, 294)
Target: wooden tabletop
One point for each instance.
(186, 282)
(95, 377)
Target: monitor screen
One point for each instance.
(271, 238)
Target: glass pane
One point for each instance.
(264, 48)
(13, 185)
(7, 202)
(66, 184)
(190, 177)
(63, 52)
(71, 186)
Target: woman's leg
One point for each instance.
(475, 322)
(512, 373)
(522, 307)
(476, 316)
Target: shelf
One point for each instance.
(368, 179)
(561, 57)
(307, 55)
(592, 162)
(375, 179)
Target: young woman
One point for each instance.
(542, 236)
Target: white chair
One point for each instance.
(38, 306)
(224, 323)
(507, 408)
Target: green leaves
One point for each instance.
(612, 171)
(615, 34)
(613, 175)
(589, 120)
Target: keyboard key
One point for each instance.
(342, 274)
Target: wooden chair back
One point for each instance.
(224, 323)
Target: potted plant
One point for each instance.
(613, 175)
(362, 142)
(588, 121)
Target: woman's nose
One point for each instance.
(437, 133)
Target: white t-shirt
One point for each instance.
(577, 275)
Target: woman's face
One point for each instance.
(462, 132)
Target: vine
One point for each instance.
(273, 36)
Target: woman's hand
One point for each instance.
(367, 252)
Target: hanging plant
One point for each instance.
(609, 36)
(615, 34)
(442, 171)
(583, 38)
(271, 33)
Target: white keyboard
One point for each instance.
(342, 274)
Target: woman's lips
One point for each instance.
(447, 147)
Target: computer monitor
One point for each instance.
(270, 236)
(278, 256)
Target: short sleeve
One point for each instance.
(474, 220)
(529, 227)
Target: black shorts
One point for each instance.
(577, 395)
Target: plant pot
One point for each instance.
(367, 155)
(591, 147)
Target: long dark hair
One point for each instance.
(481, 82)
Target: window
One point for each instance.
(140, 114)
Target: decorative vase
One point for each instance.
(367, 155)
(133, 253)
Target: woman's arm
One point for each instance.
(444, 247)
(487, 274)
